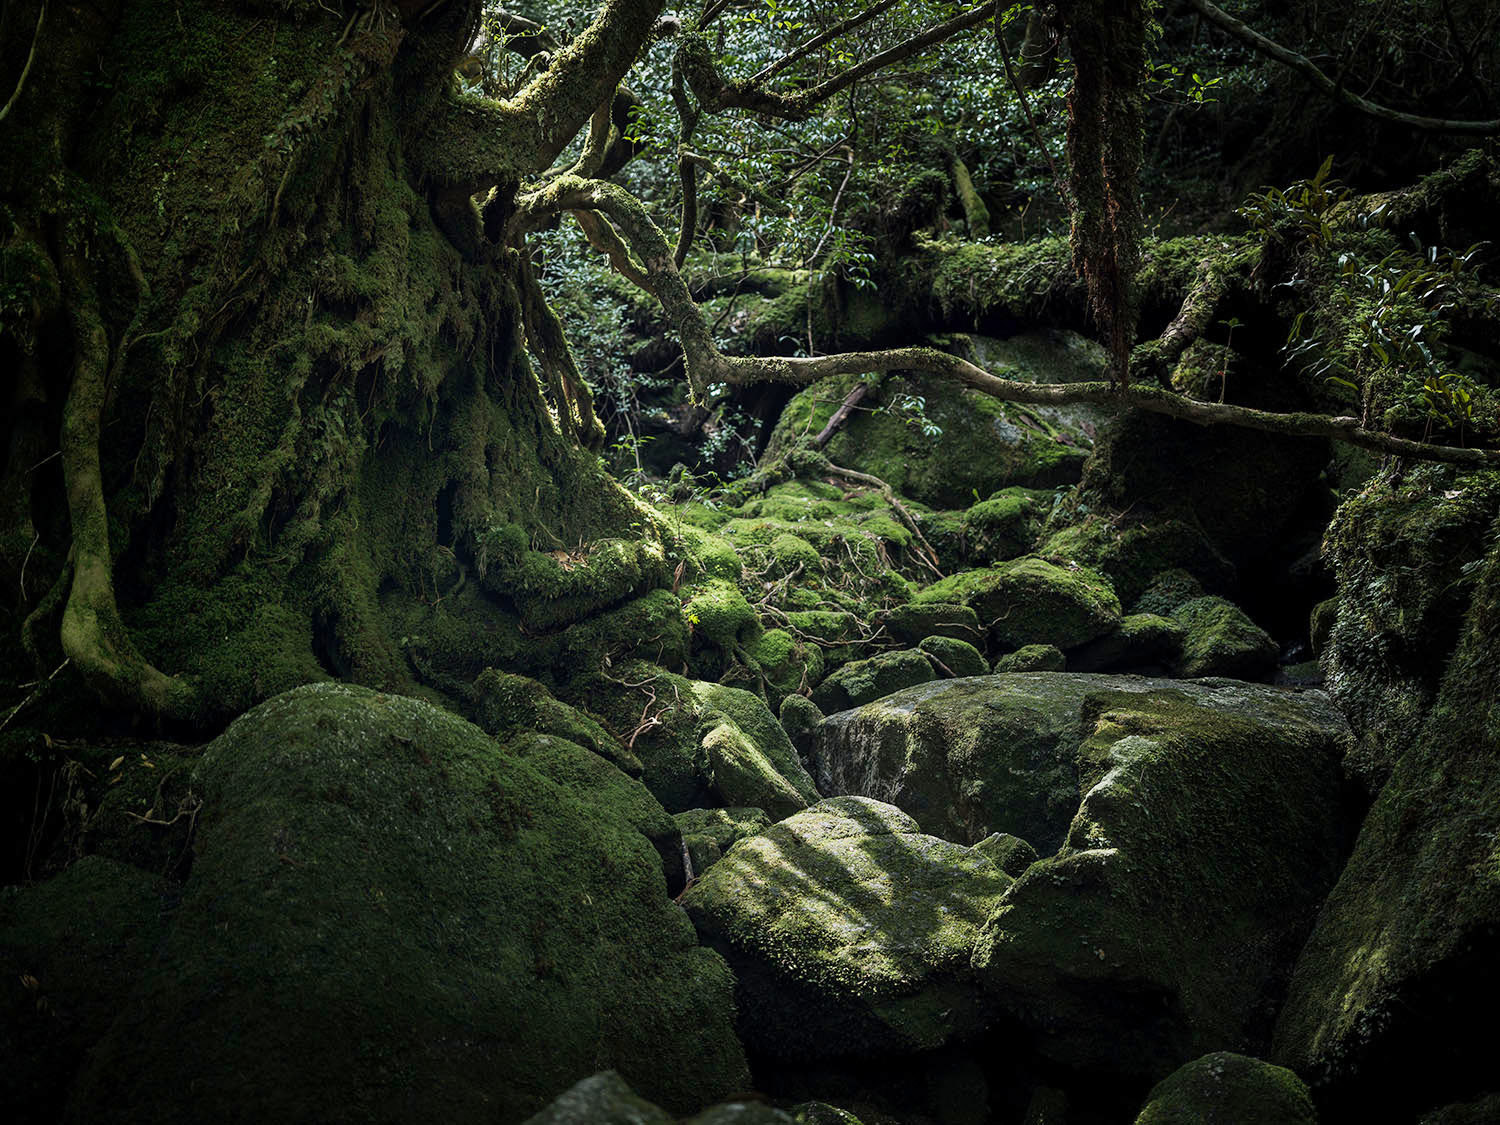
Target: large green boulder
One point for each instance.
(391, 917)
(701, 744)
(861, 681)
(1165, 926)
(1229, 1089)
(1143, 643)
(1387, 1010)
(1219, 639)
(1033, 601)
(850, 932)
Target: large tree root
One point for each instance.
(93, 636)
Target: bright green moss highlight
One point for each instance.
(1033, 601)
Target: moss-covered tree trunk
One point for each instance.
(269, 413)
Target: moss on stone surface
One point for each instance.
(862, 681)
(1206, 837)
(960, 658)
(1166, 591)
(405, 880)
(911, 624)
(1032, 658)
(717, 610)
(1033, 601)
(1229, 1089)
(709, 833)
(1132, 554)
(875, 957)
(1010, 854)
(1143, 641)
(1218, 639)
(506, 705)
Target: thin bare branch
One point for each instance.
(1309, 70)
(821, 40)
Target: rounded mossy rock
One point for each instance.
(959, 657)
(1164, 927)
(1228, 1089)
(782, 665)
(1032, 601)
(913, 623)
(984, 445)
(1320, 624)
(1143, 643)
(701, 744)
(1032, 658)
(591, 777)
(390, 916)
(1001, 527)
(601, 1099)
(1010, 854)
(716, 609)
(709, 833)
(1400, 968)
(1404, 552)
(505, 704)
(860, 682)
(1219, 639)
(71, 950)
(850, 932)
(1131, 553)
(1166, 591)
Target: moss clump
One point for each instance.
(1220, 640)
(1132, 554)
(709, 833)
(1033, 601)
(783, 665)
(1228, 1088)
(793, 553)
(1032, 658)
(1010, 854)
(910, 624)
(826, 626)
(875, 958)
(959, 657)
(800, 718)
(1167, 591)
(385, 861)
(1005, 525)
(701, 744)
(862, 681)
(716, 610)
(506, 705)
(1144, 643)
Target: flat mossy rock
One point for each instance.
(1219, 639)
(1143, 641)
(865, 680)
(71, 950)
(709, 833)
(849, 931)
(984, 445)
(702, 744)
(393, 918)
(1032, 658)
(910, 624)
(1229, 1089)
(1401, 969)
(1164, 928)
(1032, 601)
(959, 657)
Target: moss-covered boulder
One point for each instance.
(935, 441)
(1381, 1013)
(701, 744)
(716, 610)
(1165, 926)
(709, 833)
(1010, 854)
(864, 680)
(1132, 552)
(392, 917)
(1032, 601)
(1229, 1089)
(1219, 639)
(1166, 591)
(505, 705)
(1405, 552)
(781, 665)
(1143, 643)
(800, 718)
(1482, 1111)
(1001, 527)
(602, 1099)
(71, 950)
(911, 624)
(1032, 658)
(959, 658)
(849, 931)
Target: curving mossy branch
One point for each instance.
(617, 224)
